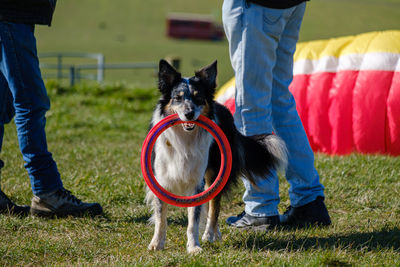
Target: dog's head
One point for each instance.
(188, 97)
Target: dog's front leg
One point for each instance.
(193, 243)
(212, 232)
(160, 224)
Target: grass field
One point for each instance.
(134, 31)
(95, 134)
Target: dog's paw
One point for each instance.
(194, 250)
(208, 237)
(211, 236)
(156, 246)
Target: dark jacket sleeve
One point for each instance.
(278, 4)
(27, 11)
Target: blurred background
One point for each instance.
(127, 31)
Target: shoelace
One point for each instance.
(64, 193)
(241, 214)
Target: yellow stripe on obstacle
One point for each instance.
(386, 41)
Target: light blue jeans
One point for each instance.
(23, 94)
(262, 42)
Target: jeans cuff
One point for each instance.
(262, 213)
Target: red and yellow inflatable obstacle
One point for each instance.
(347, 92)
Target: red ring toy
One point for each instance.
(218, 184)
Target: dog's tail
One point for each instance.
(261, 155)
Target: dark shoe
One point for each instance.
(8, 207)
(313, 213)
(245, 220)
(62, 203)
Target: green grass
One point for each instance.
(134, 31)
(95, 134)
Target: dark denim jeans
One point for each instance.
(23, 94)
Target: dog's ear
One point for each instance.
(167, 77)
(208, 75)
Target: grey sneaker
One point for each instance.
(245, 220)
(62, 203)
(8, 207)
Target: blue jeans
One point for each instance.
(23, 94)
(262, 42)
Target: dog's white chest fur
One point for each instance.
(181, 159)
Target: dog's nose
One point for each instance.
(189, 115)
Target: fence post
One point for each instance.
(59, 66)
(72, 76)
(100, 68)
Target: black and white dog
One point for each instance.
(186, 159)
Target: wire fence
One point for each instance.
(76, 72)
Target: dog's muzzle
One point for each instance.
(188, 117)
(188, 126)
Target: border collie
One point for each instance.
(186, 159)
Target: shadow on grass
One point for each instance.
(144, 219)
(140, 218)
(384, 239)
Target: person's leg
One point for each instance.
(1, 144)
(306, 192)
(301, 173)
(6, 114)
(253, 33)
(6, 110)
(20, 66)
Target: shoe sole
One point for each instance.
(92, 212)
(13, 212)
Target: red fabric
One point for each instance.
(350, 111)
(369, 112)
(319, 128)
(340, 112)
(298, 88)
(230, 104)
(393, 117)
